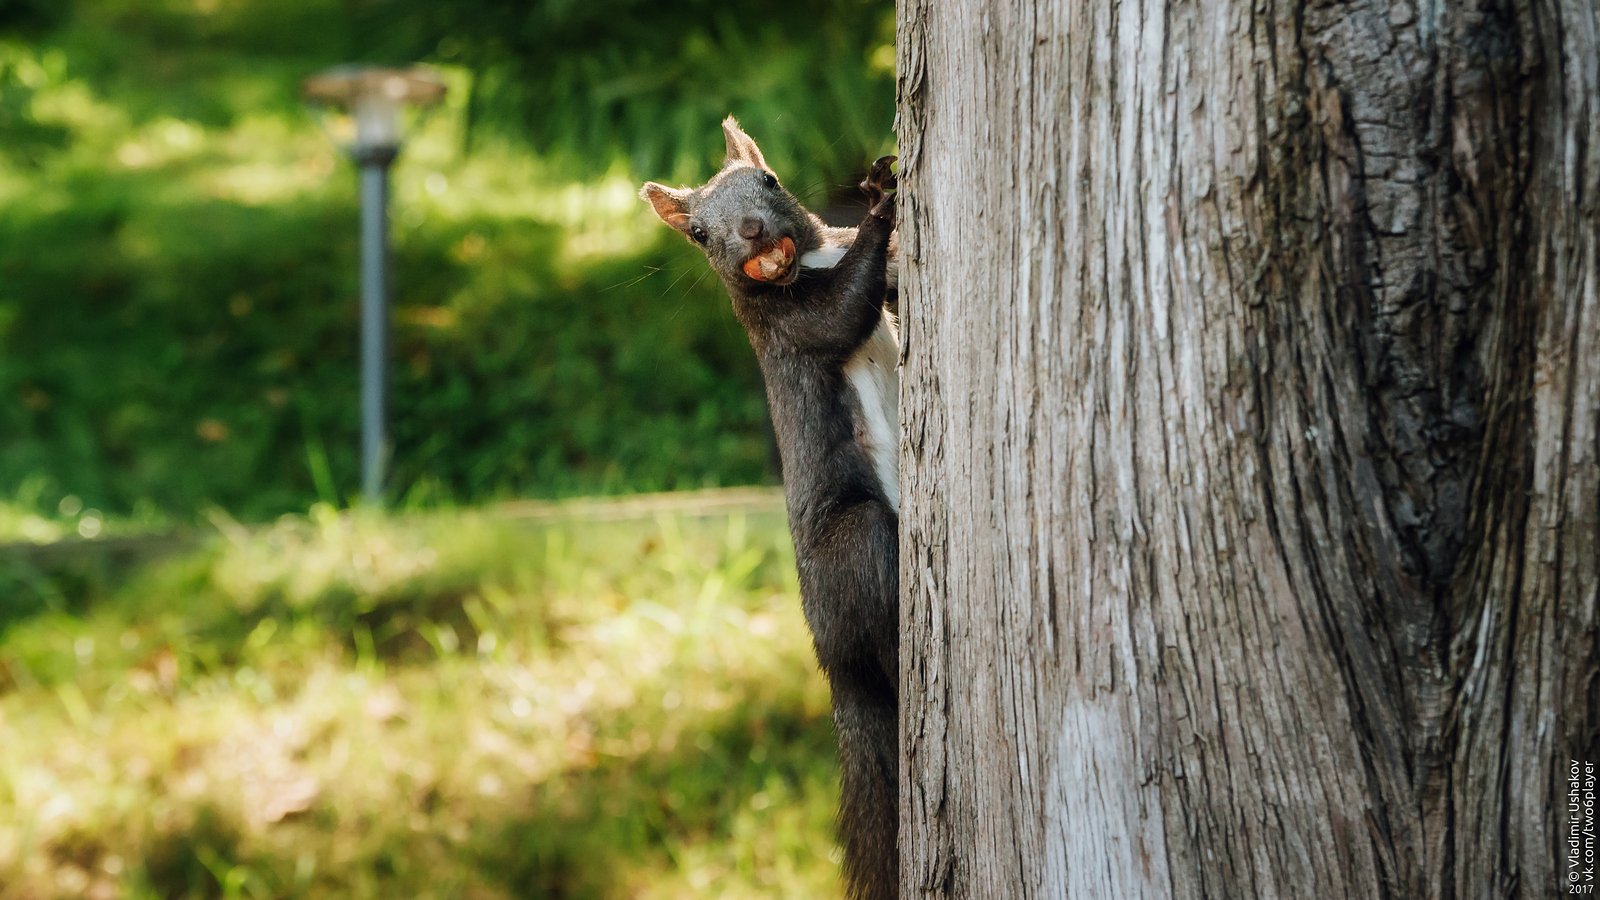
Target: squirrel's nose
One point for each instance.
(752, 228)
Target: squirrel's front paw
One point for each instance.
(878, 185)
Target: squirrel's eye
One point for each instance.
(698, 234)
(768, 179)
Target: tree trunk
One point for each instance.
(1252, 446)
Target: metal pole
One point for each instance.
(374, 324)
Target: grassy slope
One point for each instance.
(451, 706)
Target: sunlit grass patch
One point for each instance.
(440, 706)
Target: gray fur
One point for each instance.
(808, 329)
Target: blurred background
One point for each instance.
(218, 680)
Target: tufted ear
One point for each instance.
(741, 148)
(672, 205)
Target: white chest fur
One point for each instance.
(872, 374)
(822, 257)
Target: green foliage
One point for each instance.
(813, 81)
(177, 248)
(31, 16)
(446, 706)
(27, 140)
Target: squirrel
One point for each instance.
(812, 300)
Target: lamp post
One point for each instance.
(364, 106)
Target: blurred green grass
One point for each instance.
(449, 705)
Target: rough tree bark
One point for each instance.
(1252, 445)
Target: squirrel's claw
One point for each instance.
(881, 178)
(878, 184)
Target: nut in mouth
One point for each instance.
(773, 263)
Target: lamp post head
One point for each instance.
(364, 106)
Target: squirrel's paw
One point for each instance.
(879, 185)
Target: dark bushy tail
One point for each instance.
(866, 721)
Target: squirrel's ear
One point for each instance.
(671, 205)
(740, 146)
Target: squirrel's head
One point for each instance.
(750, 228)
